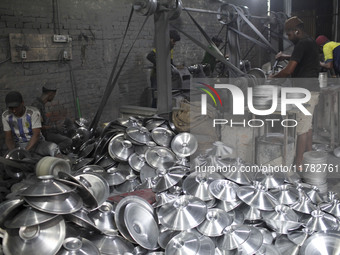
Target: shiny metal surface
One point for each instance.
(267, 236)
(251, 213)
(224, 190)
(162, 136)
(96, 185)
(116, 175)
(267, 249)
(147, 172)
(253, 243)
(103, 218)
(47, 237)
(165, 237)
(299, 236)
(160, 157)
(166, 179)
(197, 184)
(237, 216)
(228, 206)
(111, 245)
(304, 205)
(322, 221)
(219, 150)
(164, 198)
(207, 246)
(237, 173)
(131, 183)
(52, 166)
(78, 246)
(315, 195)
(286, 247)
(332, 207)
(47, 186)
(82, 219)
(138, 135)
(119, 214)
(185, 212)
(29, 217)
(323, 243)
(136, 161)
(59, 204)
(141, 225)
(119, 148)
(257, 196)
(285, 194)
(215, 221)
(8, 207)
(142, 149)
(270, 180)
(153, 123)
(184, 144)
(233, 237)
(184, 243)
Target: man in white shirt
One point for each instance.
(22, 127)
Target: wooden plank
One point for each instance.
(38, 47)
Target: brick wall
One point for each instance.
(97, 28)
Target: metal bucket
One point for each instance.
(323, 79)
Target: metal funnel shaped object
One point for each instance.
(111, 245)
(220, 150)
(59, 204)
(197, 184)
(162, 136)
(237, 216)
(116, 175)
(184, 144)
(228, 206)
(286, 247)
(215, 221)
(250, 213)
(82, 219)
(184, 213)
(119, 148)
(315, 195)
(267, 249)
(237, 173)
(75, 245)
(9, 207)
(299, 236)
(322, 221)
(268, 238)
(160, 157)
(322, 243)
(165, 237)
(224, 190)
(141, 225)
(285, 194)
(47, 237)
(138, 135)
(207, 246)
(332, 207)
(166, 179)
(183, 243)
(29, 217)
(47, 186)
(119, 214)
(136, 161)
(164, 198)
(147, 184)
(233, 237)
(131, 183)
(304, 205)
(269, 179)
(103, 218)
(142, 149)
(257, 196)
(253, 243)
(97, 186)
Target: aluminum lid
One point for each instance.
(184, 144)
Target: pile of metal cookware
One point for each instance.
(201, 203)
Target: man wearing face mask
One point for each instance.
(303, 63)
(22, 127)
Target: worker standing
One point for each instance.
(303, 63)
(210, 59)
(331, 52)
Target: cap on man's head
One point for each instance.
(48, 89)
(175, 35)
(13, 99)
(292, 23)
(321, 40)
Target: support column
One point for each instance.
(162, 41)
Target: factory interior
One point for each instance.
(170, 127)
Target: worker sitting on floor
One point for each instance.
(22, 127)
(50, 131)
